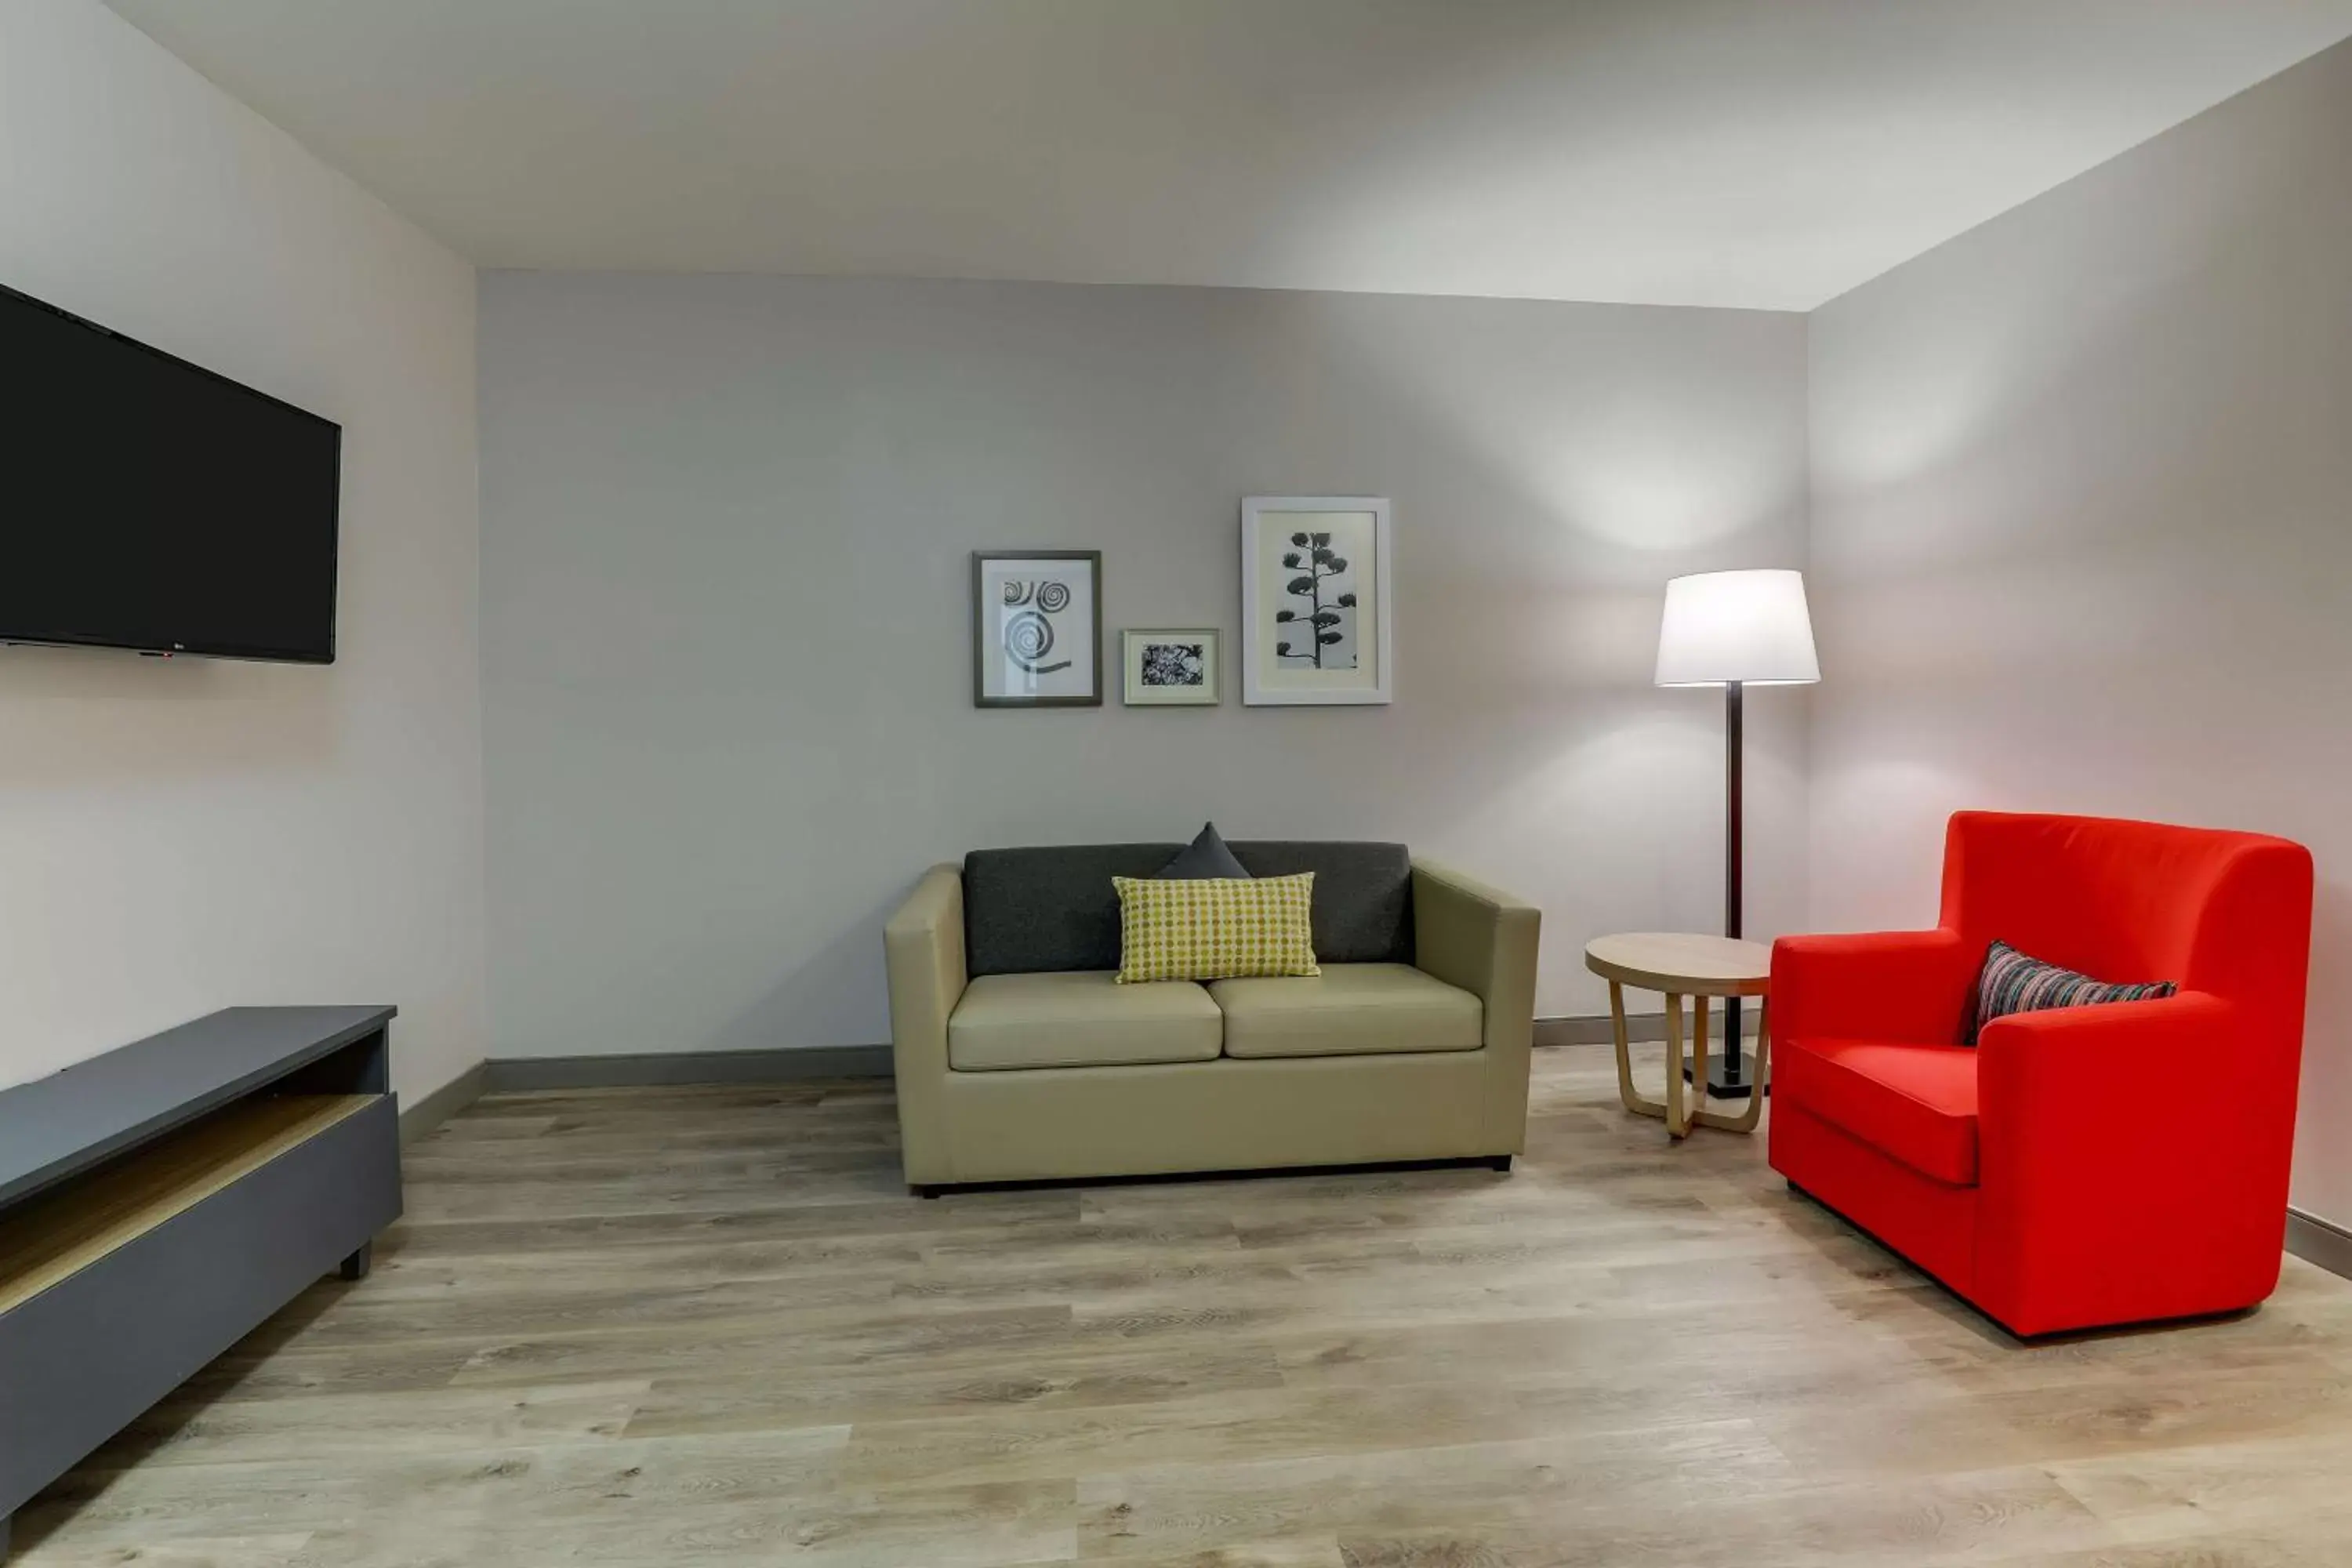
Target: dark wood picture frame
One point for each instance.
(980, 651)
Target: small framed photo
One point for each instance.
(1036, 628)
(1169, 668)
(1316, 627)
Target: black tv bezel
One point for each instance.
(255, 652)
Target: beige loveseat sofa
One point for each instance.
(1018, 1057)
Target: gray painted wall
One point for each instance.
(191, 834)
(2083, 528)
(727, 524)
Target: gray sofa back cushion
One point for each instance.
(1031, 911)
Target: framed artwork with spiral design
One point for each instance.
(1036, 628)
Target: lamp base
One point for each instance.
(1721, 1085)
(1730, 1075)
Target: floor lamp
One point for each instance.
(1734, 629)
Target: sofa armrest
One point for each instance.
(2116, 1135)
(1485, 941)
(1904, 985)
(924, 952)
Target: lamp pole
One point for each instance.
(1727, 1076)
(1731, 1079)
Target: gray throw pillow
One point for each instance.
(1205, 856)
(2011, 982)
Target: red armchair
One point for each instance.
(2080, 1167)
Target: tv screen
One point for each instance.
(148, 503)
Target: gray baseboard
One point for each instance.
(1595, 1031)
(651, 1069)
(2319, 1241)
(431, 1110)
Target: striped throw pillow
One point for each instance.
(2013, 983)
(1214, 928)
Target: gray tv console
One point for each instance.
(159, 1202)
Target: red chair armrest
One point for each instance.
(1909, 986)
(2061, 1049)
(2120, 1076)
(2126, 1133)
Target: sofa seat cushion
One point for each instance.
(1079, 1018)
(1914, 1103)
(1349, 1009)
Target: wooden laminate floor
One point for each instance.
(659, 1327)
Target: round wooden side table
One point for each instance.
(1680, 965)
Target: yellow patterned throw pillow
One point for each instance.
(1214, 928)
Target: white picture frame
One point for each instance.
(1332, 642)
(1169, 666)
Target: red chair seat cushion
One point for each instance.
(1916, 1103)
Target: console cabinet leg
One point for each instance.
(357, 1265)
(1501, 1162)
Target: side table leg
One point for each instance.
(1678, 1115)
(1698, 1055)
(1634, 1103)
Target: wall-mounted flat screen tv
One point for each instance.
(149, 503)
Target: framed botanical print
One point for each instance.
(1168, 668)
(1315, 626)
(1036, 628)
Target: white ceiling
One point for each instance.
(1770, 154)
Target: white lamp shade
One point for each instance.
(1748, 626)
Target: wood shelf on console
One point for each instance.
(56, 1235)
